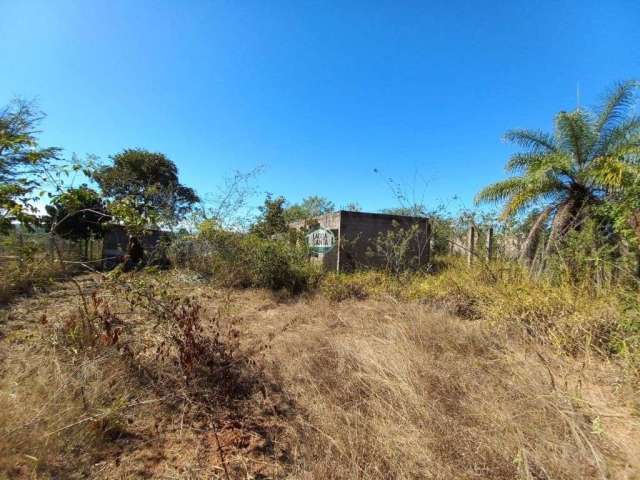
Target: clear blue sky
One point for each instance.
(321, 93)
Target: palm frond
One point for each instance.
(520, 162)
(575, 133)
(521, 192)
(499, 191)
(611, 173)
(535, 141)
(537, 189)
(615, 104)
(621, 136)
(552, 166)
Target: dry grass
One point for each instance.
(26, 278)
(145, 397)
(578, 320)
(395, 390)
(357, 389)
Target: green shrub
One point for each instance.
(234, 259)
(341, 287)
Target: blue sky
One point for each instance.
(321, 93)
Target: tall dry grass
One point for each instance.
(26, 277)
(396, 390)
(273, 386)
(575, 319)
(102, 385)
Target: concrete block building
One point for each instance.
(358, 236)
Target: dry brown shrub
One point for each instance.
(107, 387)
(64, 394)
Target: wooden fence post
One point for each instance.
(490, 244)
(471, 244)
(50, 247)
(427, 250)
(20, 250)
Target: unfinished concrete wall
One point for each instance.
(330, 221)
(356, 236)
(360, 232)
(116, 239)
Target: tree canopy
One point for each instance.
(590, 155)
(310, 207)
(271, 220)
(76, 214)
(22, 162)
(145, 183)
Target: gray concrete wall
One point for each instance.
(360, 231)
(116, 239)
(330, 221)
(356, 235)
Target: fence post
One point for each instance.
(427, 251)
(20, 250)
(51, 247)
(471, 243)
(490, 244)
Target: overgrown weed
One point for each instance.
(397, 390)
(133, 350)
(577, 319)
(232, 259)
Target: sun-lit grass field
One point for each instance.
(162, 375)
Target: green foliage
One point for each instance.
(22, 163)
(362, 284)
(29, 270)
(623, 208)
(311, 207)
(126, 211)
(76, 214)
(145, 189)
(589, 155)
(278, 264)
(246, 260)
(272, 219)
(588, 256)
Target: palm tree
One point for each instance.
(567, 172)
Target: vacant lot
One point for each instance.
(253, 384)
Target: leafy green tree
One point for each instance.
(76, 214)
(145, 184)
(309, 208)
(22, 163)
(272, 220)
(352, 207)
(571, 170)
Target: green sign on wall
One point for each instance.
(321, 240)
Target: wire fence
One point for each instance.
(20, 247)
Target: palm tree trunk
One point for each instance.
(528, 250)
(635, 223)
(563, 218)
